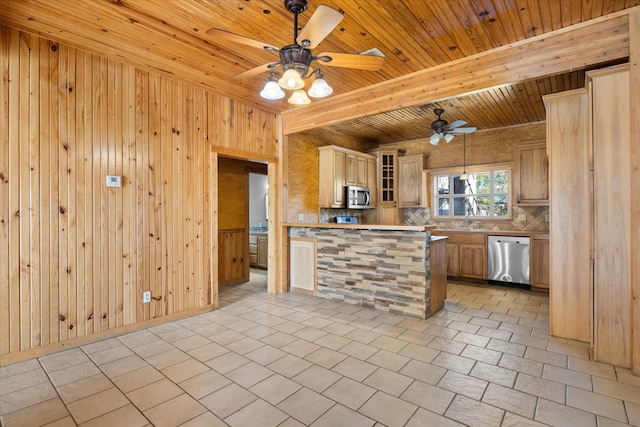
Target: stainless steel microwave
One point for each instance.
(358, 197)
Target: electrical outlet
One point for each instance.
(300, 217)
(146, 297)
(522, 217)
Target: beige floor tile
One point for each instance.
(418, 352)
(429, 397)
(244, 345)
(388, 410)
(167, 358)
(208, 352)
(359, 350)
(554, 414)
(389, 360)
(290, 344)
(26, 397)
(62, 422)
(541, 387)
(423, 418)
(227, 362)
(136, 339)
(568, 377)
(495, 374)
(520, 403)
(138, 378)
(349, 393)
(115, 352)
(259, 331)
(519, 364)
(339, 329)
(633, 412)
(481, 354)
(97, 404)
(227, 400)
(333, 342)
(596, 403)
(206, 419)
(547, 357)
(423, 371)
(174, 412)
(184, 370)
(459, 364)
(325, 357)
(474, 413)
(35, 415)
(13, 383)
(73, 373)
(317, 378)
(340, 415)
(154, 394)
(124, 365)
(511, 348)
(626, 392)
(354, 368)
(419, 338)
(531, 341)
(463, 384)
(84, 388)
(275, 389)
(289, 365)
(175, 334)
(305, 405)
(387, 343)
(596, 369)
(64, 359)
(388, 381)
(19, 368)
(257, 414)
(204, 384)
(226, 337)
(513, 420)
(445, 344)
(390, 330)
(249, 374)
(191, 343)
(309, 333)
(125, 416)
(153, 348)
(266, 355)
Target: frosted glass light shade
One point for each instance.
(272, 91)
(320, 88)
(291, 80)
(299, 97)
(435, 138)
(448, 137)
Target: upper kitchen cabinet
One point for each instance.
(339, 167)
(531, 178)
(412, 181)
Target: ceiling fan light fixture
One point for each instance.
(299, 97)
(435, 138)
(291, 80)
(272, 91)
(448, 137)
(464, 176)
(320, 88)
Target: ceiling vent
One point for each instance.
(373, 52)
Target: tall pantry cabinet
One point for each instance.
(589, 142)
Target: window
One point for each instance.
(484, 194)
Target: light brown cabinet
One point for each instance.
(412, 181)
(589, 146)
(466, 254)
(302, 265)
(339, 167)
(258, 250)
(540, 261)
(531, 181)
(232, 257)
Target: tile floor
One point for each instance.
(294, 360)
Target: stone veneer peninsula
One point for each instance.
(397, 269)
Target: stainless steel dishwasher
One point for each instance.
(508, 260)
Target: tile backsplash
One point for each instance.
(536, 220)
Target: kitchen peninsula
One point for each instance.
(394, 268)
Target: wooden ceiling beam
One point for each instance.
(579, 46)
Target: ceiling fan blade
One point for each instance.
(252, 72)
(463, 130)
(321, 23)
(457, 123)
(348, 60)
(227, 36)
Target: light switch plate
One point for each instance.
(146, 297)
(300, 217)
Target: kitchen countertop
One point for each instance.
(487, 231)
(362, 226)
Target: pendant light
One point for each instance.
(464, 176)
(299, 97)
(272, 90)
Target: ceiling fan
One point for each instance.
(296, 58)
(443, 130)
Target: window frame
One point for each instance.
(457, 171)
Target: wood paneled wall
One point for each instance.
(75, 256)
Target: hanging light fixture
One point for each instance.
(291, 80)
(465, 175)
(320, 88)
(272, 90)
(299, 97)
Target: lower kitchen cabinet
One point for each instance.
(258, 250)
(540, 259)
(302, 265)
(466, 254)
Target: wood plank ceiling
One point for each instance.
(169, 36)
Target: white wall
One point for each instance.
(257, 206)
